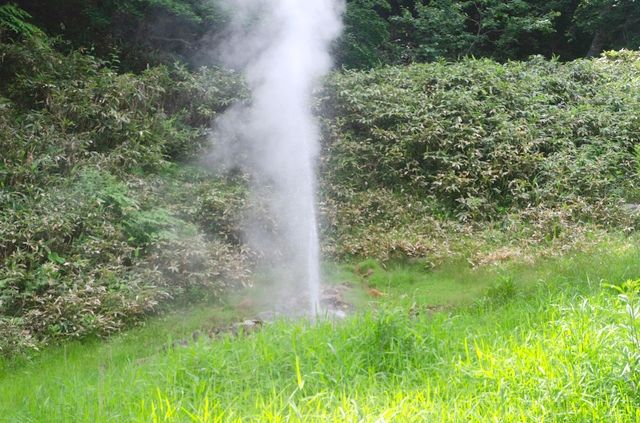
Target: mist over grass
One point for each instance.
(282, 48)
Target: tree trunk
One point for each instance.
(597, 44)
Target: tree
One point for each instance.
(139, 31)
(435, 30)
(366, 39)
(450, 28)
(14, 21)
(611, 24)
(377, 32)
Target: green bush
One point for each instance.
(479, 141)
(14, 21)
(93, 235)
(480, 137)
(98, 227)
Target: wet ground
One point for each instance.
(332, 302)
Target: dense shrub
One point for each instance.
(77, 107)
(479, 141)
(93, 232)
(99, 227)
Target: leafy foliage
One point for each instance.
(619, 17)
(377, 32)
(480, 141)
(14, 21)
(98, 227)
(366, 39)
(138, 31)
(89, 240)
(408, 31)
(450, 29)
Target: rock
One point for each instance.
(180, 343)
(246, 327)
(268, 316)
(340, 314)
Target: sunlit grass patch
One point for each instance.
(549, 342)
(567, 363)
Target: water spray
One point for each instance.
(283, 49)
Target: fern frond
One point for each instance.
(13, 19)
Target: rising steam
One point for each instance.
(282, 47)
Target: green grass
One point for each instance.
(516, 343)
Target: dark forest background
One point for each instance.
(142, 32)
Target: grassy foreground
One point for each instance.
(549, 341)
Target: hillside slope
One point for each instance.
(104, 218)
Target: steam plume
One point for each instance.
(282, 47)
